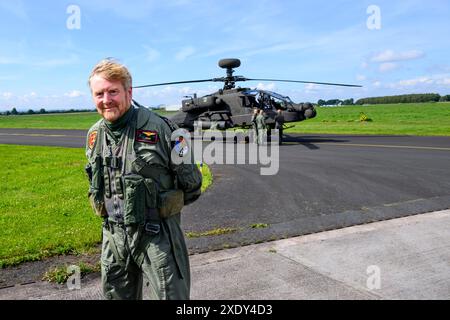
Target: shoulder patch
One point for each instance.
(147, 136)
(92, 139)
(181, 146)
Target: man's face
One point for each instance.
(110, 97)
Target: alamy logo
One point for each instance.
(73, 22)
(74, 280)
(374, 20)
(227, 147)
(374, 280)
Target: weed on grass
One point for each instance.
(60, 274)
(214, 232)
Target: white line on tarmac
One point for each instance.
(382, 146)
(39, 135)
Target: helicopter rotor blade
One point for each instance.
(299, 81)
(176, 82)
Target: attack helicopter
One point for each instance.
(233, 106)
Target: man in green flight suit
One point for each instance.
(139, 191)
(254, 125)
(261, 127)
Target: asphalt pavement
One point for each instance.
(323, 182)
(404, 258)
(315, 220)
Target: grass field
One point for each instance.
(425, 119)
(44, 209)
(82, 120)
(422, 119)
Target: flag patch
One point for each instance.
(181, 146)
(147, 136)
(92, 139)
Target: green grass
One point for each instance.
(44, 209)
(207, 176)
(82, 120)
(422, 119)
(43, 205)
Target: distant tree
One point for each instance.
(14, 111)
(348, 102)
(445, 98)
(333, 102)
(321, 102)
(42, 110)
(30, 111)
(7, 113)
(405, 98)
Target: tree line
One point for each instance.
(14, 111)
(404, 98)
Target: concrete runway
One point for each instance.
(405, 258)
(324, 182)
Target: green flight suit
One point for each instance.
(254, 128)
(139, 191)
(261, 129)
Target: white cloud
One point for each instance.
(74, 94)
(445, 81)
(8, 60)
(413, 82)
(264, 86)
(427, 81)
(57, 62)
(184, 53)
(152, 54)
(361, 77)
(16, 7)
(170, 95)
(390, 56)
(376, 83)
(388, 66)
(6, 95)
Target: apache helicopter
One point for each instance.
(233, 106)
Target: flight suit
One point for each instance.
(261, 129)
(139, 191)
(254, 127)
(279, 122)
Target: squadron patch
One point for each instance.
(181, 146)
(92, 139)
(147, 136)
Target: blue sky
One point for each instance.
(45, 64)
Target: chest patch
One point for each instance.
(92, 139)
(147, 136)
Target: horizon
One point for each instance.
(48, 48)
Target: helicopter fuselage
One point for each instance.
(234, 107)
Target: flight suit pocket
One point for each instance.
(135, 198)
(151, 199)
(96, 190)
(171, 202)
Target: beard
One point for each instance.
(114, 110)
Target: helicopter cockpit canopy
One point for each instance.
(270, 100)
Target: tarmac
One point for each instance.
(400, 259)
